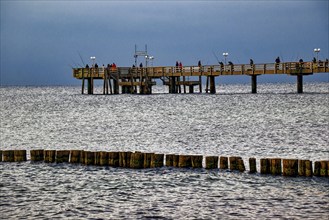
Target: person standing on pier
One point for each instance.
(277, 60)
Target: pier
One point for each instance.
(140, 80)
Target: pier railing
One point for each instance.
(290, 68)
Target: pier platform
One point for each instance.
(131, 78)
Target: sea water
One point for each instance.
(276, 122)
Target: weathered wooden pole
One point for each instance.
(124, 159)
(275, 166)
(305, 168)
(323, 168)
(253, 83)
(290, 167)
(114, 159)
(300, 83)
(37, 155)
(147, 160)
(265, 166)
(317, 168)
(212, 162)
(184, 86)
(20, 155)
(212, 84)
(103, 158)
(83, 86)
(8, 156)
(175, 162)
(196, 161)
(89, 158)
(0, 155)
(241, 166)
(169, 160)
(184, 161)
(75, 156)
(50, 156)
(137, 160)
(252, 165)
(157, 160)
(200, 84)
(223, 163)
(62, 156)
(234, 163)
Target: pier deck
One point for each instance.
(129, 78)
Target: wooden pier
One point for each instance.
(134, 79)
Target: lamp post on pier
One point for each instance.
(93, 59)
(317, 51)
(225, 54)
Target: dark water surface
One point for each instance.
(276, 122)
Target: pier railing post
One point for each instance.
(253, 83)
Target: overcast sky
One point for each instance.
(41, 40)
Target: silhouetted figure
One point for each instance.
(230, 63)
(301, 60)
(180, 64)
(277, 60)
(141, 65)
(199, 63)
(87, 66)
(176, 63)
(314, 60)
(251, 62)
(96, 65)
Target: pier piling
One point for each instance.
(137, 160)
(114, 159)
(184, 161)
(103, 158)
(253, 83)
(157, 160)
(275, 165)
(0, 155)
(76, 156)
(147, 160)
(323, 168)
(299, 83)
(89, 158)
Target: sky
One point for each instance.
(42, 40)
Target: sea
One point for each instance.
(274, 123)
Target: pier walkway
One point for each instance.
(134, 80)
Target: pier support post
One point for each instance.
(0, 155)
(103, 158)
(241, 166)
(253, 83)
(211, 162)
(191, 89)
(20, 155)
(115, 86)
(137, 160)
(200, 84)
(212, 84)
(172, 84)
(83, 86)
(323, 168)
(299, 83)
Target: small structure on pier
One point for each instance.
(141, 79)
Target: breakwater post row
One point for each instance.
(140, 160)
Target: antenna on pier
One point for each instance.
(140, 53)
